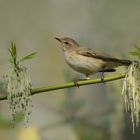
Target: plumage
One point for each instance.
(105, 57)
(87, 61)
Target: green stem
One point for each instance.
(71, 84)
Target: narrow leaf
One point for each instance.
(27, 57)
(135, 53)
(138, 49)
(13, 53)
(11, 61)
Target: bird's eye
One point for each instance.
(66, 43)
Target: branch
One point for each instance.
(71, 84)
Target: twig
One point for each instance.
(71, 84)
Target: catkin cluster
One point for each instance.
(19, 91)
(131, 92)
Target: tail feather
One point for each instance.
(125, 62)
(108, 70)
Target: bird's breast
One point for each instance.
(83, 64)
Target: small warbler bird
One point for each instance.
(87, 61)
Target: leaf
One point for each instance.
(27, 57)
(13, 52)
(11, 61)
(13, 49)
(138, 49)
(135, 53)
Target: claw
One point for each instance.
(77, 80)
(76, 83)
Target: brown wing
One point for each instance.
(105, 57)
(90, 53)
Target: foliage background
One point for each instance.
(105, 25)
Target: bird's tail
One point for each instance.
(125, 62)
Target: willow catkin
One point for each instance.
(18, 88)
(131, 92)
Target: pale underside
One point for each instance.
(87, 65)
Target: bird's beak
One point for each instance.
(58, 39)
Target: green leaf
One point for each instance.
(11, 61)
(135, 53)
(13, 52)
(27, 57)
(138, 49)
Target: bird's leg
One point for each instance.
(77, 80)
(87, 77)
(102, 76)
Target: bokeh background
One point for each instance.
(94, 112)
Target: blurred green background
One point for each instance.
(94, 112)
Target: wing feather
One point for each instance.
(104, 57)
(90, 53)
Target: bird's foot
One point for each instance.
(77, 80)
(76, 83)
(102, 77)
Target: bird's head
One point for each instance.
(67, 43)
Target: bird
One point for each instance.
(86, 60)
